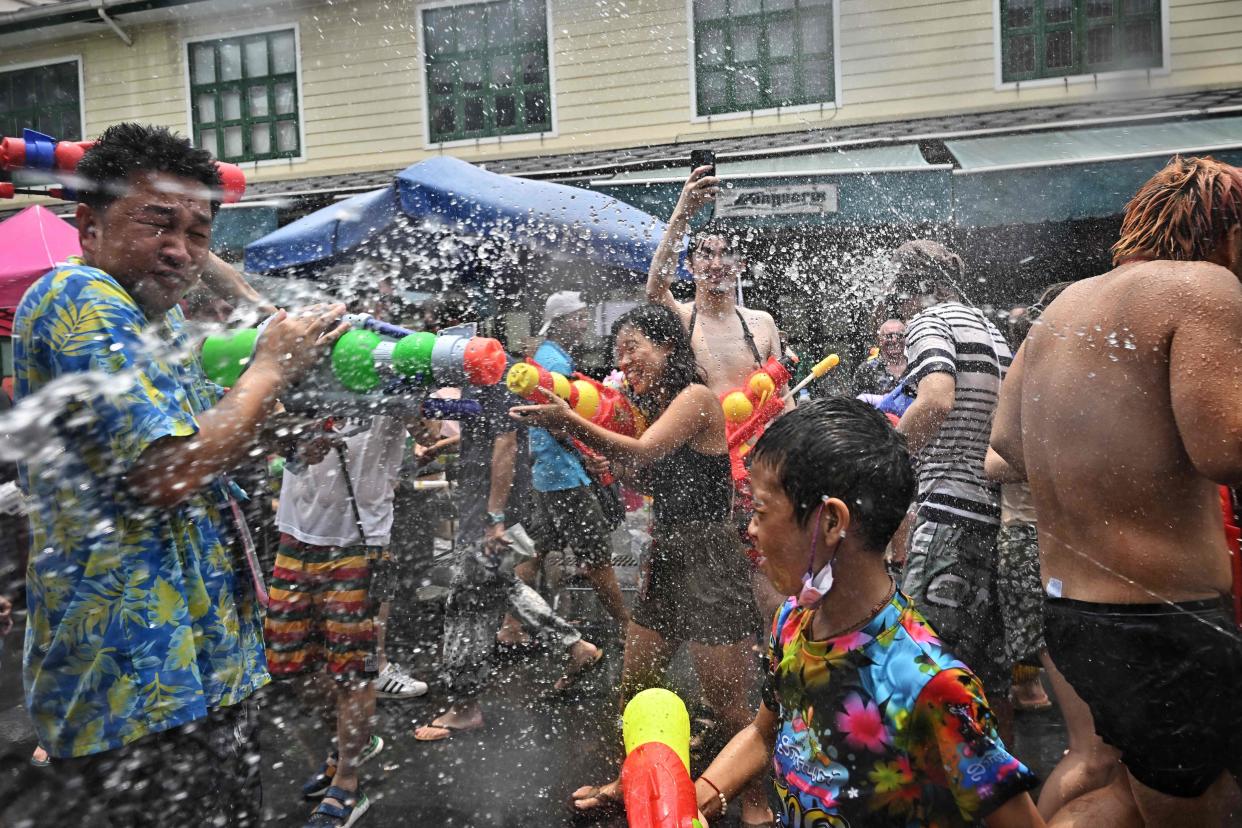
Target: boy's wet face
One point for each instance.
(781, 540)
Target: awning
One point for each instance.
(877, 185)
(1074, 174)
(445, 197)
(33, 242)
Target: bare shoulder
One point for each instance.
(1180, 282)
(1151, 291)
(697, 394)
(757, 317)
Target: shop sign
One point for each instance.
(785, 200)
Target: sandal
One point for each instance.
(316, 787)
(703, 730)
(353, 805)
(567, 682)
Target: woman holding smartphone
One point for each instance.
(696, 587)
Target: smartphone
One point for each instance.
(703, 158)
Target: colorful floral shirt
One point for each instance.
(140, 619)
(882, 727)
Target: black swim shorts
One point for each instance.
(1163, 681)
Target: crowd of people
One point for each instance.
(905, 558)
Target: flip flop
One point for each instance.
(569, 680)
(449, 732)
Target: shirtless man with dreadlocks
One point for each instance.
(1143, 366)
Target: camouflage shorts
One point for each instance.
(950, 574)
(1020, 591)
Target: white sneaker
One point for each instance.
(395, 683)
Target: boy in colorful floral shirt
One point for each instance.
(866, 718)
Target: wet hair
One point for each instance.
(843, 448)
(709, 232)
(663, 327)
(1182, 213)
(126, 149)
(926, 267)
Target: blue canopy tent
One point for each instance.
(445, 214)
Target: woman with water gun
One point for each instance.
(696, 588)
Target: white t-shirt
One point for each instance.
(314, 501)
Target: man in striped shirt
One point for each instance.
(956, 361)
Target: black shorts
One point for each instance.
(571, 519)
(696, 586)
(1163, 681)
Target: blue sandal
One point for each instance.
(317, 785)
(354, 805)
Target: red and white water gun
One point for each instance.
(36, 151)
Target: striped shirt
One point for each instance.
(959, 340)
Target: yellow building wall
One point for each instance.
(621, 73)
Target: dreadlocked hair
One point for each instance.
(1182, 213)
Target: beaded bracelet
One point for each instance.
(724, 803)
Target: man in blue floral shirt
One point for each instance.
(144, 643)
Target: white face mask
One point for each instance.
(816, 585)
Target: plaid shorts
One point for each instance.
(322, 610)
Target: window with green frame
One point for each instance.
(44, 98)
(1058, 38)
(487, 70)
(762, 54)
(244, 96)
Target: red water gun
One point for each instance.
(655, 779)
(749, 409)
(36, 151)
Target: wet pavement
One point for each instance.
(518, 772)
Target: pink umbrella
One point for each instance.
(33, 242)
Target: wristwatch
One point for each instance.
(495, 518)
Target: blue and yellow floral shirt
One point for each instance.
(882, 727)
(141, 619)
